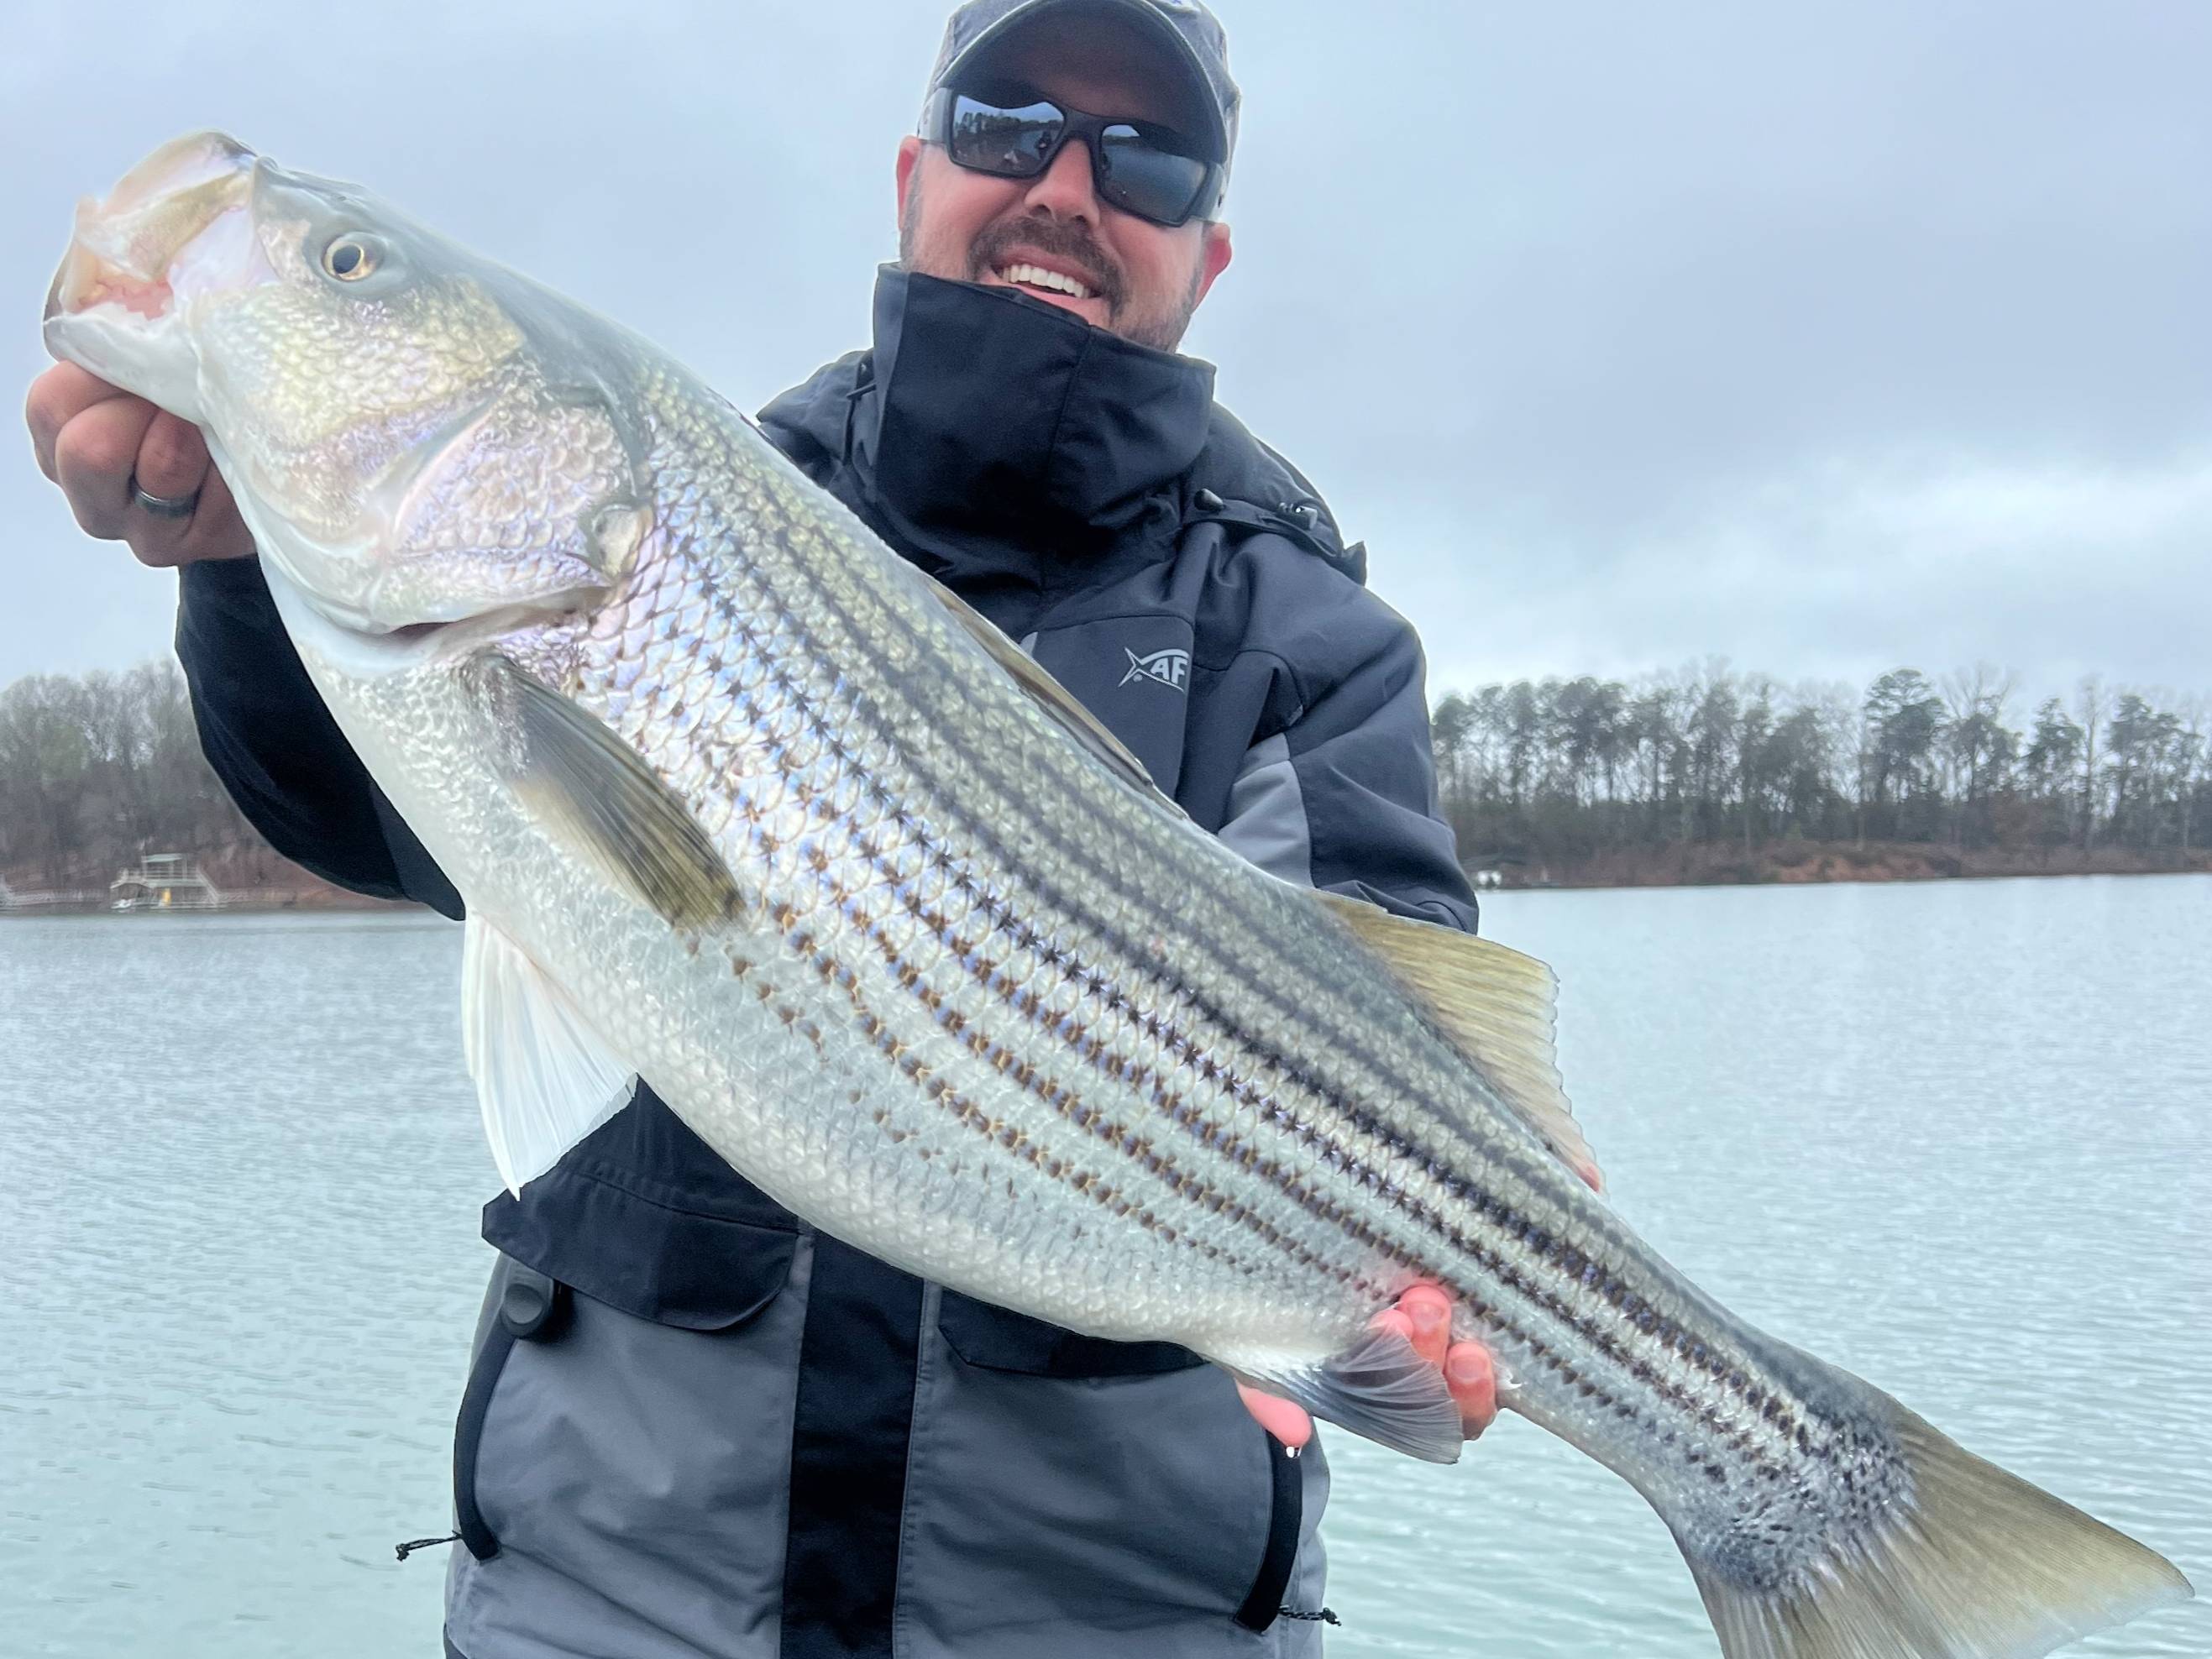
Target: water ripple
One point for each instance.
(1954, 1136)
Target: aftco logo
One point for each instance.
(1169, 667)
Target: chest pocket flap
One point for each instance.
(1001, 1339)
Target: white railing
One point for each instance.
(163, 881)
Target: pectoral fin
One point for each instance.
(1495, 1005)
(597, 794)
(544, 1078)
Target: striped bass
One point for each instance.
(743, 805)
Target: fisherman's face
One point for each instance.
(1144, 280)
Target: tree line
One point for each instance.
(97, 770)
(1557, 770)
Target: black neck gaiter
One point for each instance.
(1005, 445)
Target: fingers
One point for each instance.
(1428, 1315)
(1423, 1316)
(1287, 1422)
(172, 458)
(107, 439)
(215, 531)
(56, 397)
(1472, 1375)
(93, 455)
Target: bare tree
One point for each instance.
(2089, 713)
(1981, 744)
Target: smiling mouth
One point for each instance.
(1038, 280)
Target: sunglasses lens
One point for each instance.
(1016, 135)
(1012, 142)
(1136, 173)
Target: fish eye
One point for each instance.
(351, 257)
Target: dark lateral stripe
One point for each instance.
(849, 1434)
(1486, 1205)
(1071, 1107)
(1292, 1070)
(1292, 1074)
(1026, 1005)
(1504, 1269)
(947, 803)
(1766, 1396)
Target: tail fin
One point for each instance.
(1981, 1565)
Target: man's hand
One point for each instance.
(1423, 1316)
(93, 439)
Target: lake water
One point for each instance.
(1954, 1136)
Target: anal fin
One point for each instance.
(544, 1078)
(1380, 1389)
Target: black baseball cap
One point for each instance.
(1190, 37)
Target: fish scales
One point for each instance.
(738, 802)
(1048, 999)
(1463, 1214)
(1462, 1194)
(1738, 1399)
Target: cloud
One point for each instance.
(1815, 336)
(2053, 571)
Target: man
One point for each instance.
(694, 1426)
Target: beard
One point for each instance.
(1158, 322)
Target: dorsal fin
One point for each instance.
(1049, 695)
(1496, 1005)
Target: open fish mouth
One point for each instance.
(176, 227)
(128, 251)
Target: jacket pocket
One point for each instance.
(526, 1306)
(1263, 1602)
(671, 1263)
(1121, 1469)
(1001, 1339)
(669, 1267)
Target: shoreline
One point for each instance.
(1806, 863)
(1779, 865)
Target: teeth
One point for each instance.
(1038, 276)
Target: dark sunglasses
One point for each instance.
(1136, 166)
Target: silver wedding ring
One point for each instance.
(164, 506)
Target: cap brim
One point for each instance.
(1170, 38)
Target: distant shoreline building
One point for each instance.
(163, 881)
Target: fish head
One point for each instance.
(416, 435)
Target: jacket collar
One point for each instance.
(992, 437)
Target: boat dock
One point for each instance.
(159, 882)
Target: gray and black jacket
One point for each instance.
(697, 1426)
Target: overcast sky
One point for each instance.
(1821, 337)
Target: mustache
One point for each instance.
(1056, 239)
